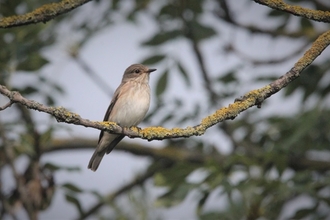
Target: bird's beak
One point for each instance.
(151, 70)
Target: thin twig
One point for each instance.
(270, 61)
(94, 76)
(6, 105)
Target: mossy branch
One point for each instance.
(250, 99)
(42, 14)
(316, 15)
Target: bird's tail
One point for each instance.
(96, 160)
(105, 146)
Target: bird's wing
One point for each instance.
(109, 110)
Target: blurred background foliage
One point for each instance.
(275, 160)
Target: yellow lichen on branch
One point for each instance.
(252, 98)
(42, 14)
(316, 15)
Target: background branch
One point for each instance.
(42, 14)
(138, 180)
(315, 15)
(184, 155)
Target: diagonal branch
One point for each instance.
(139, 180)
(225, 15)
(6, 105)
(316, 15)
(250, 99)
(42, 14)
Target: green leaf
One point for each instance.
(167, 118)
(228, 77)
(202, 202)
(162, 37)
(169, 11)
(162, 84)
(54, 167)
(28, 90)
(153, 59)
(276, 13)
(184, 74)
(47, 135)
(176, 195)
(33, 62)
(302, 213)
(201, 31)
(72, 187)
(97, 194)
(72, 199)
(50, 100)
(306, 24)
(159, 180)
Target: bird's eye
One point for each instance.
(137, 71)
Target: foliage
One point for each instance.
(275, 160)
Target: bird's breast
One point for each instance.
(132, 106)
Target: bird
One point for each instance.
(128, 107)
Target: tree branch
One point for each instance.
(139, 180)
(199, 57)
(182, 155)
(225, 15)
(6, 105)
(250, 99)
(23, 193)
(316, 15)
(42, 14)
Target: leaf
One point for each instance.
(72, 199)
(228, 77)
(33, 62)
(200, 31)
(28, 90)
(159, 180)
(184, 74)
(162, 84)
(153, 59)
(306, 24)
(72, 187)
(58, 88)
(54, 167)
(202, 202)
(276, 13)
(162, 37)
(47, 135)
(176, 195)
(167, 118)
(97, 194)
(169, 11)
(300, 214)
(50, 100)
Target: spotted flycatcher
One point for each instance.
(128, 107)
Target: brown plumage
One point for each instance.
(128, 107)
